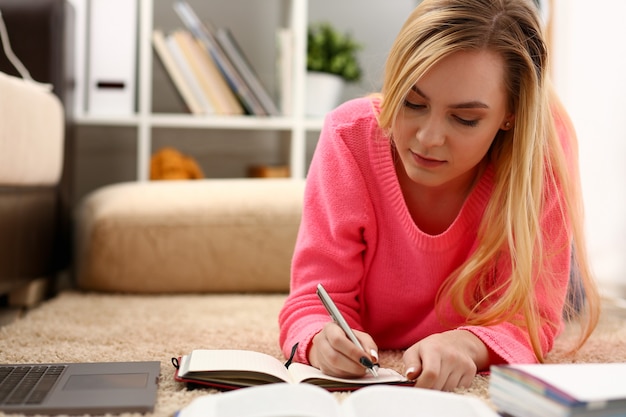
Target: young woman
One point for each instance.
(441, 214)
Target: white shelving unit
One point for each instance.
(295, 126)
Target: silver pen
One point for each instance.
(335, 314)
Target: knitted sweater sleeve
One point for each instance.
(330, 241)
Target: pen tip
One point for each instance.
(366, 362)
(369, 365)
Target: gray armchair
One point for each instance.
(35, 146)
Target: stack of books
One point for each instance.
(551, 390)
(209, 69)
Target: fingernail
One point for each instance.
(374, 353)
(409, 371)
(366, 362)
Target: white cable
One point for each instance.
(15, 61)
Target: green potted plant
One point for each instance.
(331, 61)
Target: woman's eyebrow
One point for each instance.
(475, 104)
(470, 105)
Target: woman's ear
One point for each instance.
(508, 122)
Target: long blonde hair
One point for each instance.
(528, 160)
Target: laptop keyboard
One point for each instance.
(27, 384)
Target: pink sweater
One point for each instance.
(357, 238)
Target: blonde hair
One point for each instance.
(528, 160)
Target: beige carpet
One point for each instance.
(99, 327)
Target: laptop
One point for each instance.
(79, 388)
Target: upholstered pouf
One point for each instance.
(231, 235)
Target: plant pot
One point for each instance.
(323, 92)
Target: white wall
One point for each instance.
(375, 27)
(589, 70)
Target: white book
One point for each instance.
(163, 52)
(304, 400)
(208, 75)
(226, 94)
(185, 68)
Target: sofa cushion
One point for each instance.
(31, 133)
(231, 235)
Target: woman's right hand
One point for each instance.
(334, 353)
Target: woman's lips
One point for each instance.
(427, 162)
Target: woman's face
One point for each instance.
(450, 118)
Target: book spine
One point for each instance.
(532, 383)
(223, 93)
(188, 47)
(163, 52)
(187, 72)
(241, 63)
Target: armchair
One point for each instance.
(35, 175)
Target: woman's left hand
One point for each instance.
(446, 361)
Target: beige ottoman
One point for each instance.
(232, 235)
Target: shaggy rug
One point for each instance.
(88, 327)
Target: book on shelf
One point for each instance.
(210, 80)
(312, 401)
(232, 368)
(551, 390)
(206, 36)
(242, 64)
(163, 52)
(224, 92)
(183, 64)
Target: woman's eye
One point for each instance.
(413, 106)
(466, 122)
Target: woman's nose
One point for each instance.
(431, 132)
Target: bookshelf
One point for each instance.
(146, 122)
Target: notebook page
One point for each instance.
(274, 400)
(236, 360)
(384, 400)
(301, 372)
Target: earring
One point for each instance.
(507, 125)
